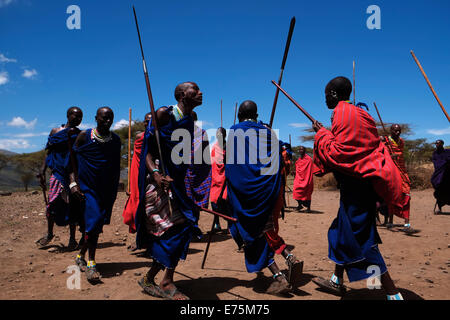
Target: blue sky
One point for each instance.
(232, 49)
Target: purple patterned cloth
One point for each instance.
(198, 175)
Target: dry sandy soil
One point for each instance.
(419, 264)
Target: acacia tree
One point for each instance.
(28, 165)
(136, 127)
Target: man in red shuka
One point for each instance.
(303, 182)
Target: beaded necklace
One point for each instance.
(95, 135)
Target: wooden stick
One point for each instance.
(295, 102)
(235, 110)
(211, 232)
(218, 214)
(429, 84)
(152, 106)
(283, 63)
(290, 141)
(354, 84)
(129, 149)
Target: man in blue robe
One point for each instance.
(255, 193)
(441, 175)
(95, 181)
(62, 208)
(167, 217)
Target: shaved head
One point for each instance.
(247, 110)
(338, 89)
(104, 109)
(181, 88)
(73, 109)
(74, 116)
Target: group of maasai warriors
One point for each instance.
(246, 179)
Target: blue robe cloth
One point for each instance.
(251, 194)
(441, 177)
(58, 160)
(353, 237)
(98, 175)
(173, 245)
(58, 157)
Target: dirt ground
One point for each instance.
(419, 264)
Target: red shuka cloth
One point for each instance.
(129, 212)
(287, 163)
(397, 151)
(217, 173)
(353, 147)
(303, 181)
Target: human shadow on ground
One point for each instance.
(216, 237)
(377, 294)
(58, 248)
(193, 251)
(111, 269)
(208, 288)
(442, 214)
(109, 244)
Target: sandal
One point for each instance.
(409, 230)
(295, 268)
(45, 240)
(151, 288)
(81, 263)
(92, 275)
(174, 294)
(279, 286)
(330, 287)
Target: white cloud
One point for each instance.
(439, 132)
(121, 123)
(5, 59)
(299, 125)
(4, 78)
(4, 3)
(19, 122)
(11, 144)
(29, 74)
(85, 126)
(203, 124)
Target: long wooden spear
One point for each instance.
(235, 110)
(286, 50)
(150, 97)
(155, 124)
(295, 103)
(429, 84)
(129, 149)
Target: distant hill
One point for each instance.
(7, 153)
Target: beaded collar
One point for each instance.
(96, 136)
